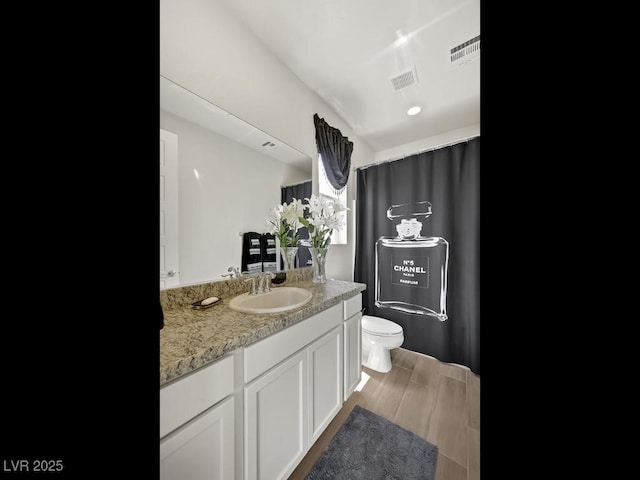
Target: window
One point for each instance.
(326, 190)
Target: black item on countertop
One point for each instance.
(198, 305)
(161, 315)
(280, 277)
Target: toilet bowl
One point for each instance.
(379, 336)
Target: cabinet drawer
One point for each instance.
(186, 397)
(270, 351)
(352, 306)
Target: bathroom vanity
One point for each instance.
(244, 396)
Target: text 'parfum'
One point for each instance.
(411, 270)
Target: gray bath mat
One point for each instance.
(369, 447)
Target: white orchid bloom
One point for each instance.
(338, 207)
(316, 205)
(285, 222)
(323, 220)
(317, 222)
(297, 206)
(334, 222)
(291, 218)
(293, 212)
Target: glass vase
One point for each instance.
(319, 255)
(289, 257)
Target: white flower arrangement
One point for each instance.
(285, 222)
(323, 221)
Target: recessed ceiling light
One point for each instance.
(400, 38)
(414, 110)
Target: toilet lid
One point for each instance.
(380, 326)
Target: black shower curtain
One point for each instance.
(448, 181)
(299, 192)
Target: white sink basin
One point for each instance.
(279, 299)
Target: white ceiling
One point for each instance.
(345, 51)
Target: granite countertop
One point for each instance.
(193, 338)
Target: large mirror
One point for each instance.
(219, 178)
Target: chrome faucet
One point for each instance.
(251, 277)
(264, 283)
(234, 272)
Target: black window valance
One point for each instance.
(335, 151)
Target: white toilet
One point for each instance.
(379, 336)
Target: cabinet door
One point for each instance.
(275, 421)
(203, 449)
(325, 373)
(352, 354)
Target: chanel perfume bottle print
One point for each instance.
(411, 270)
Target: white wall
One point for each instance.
(447, 138)
(204, 49)
(234, 192)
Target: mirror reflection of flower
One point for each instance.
(323, 221)
(285, 222)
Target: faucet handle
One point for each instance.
(267, 276)
(252, 279)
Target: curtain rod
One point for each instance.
(294, 184)
(449, 144)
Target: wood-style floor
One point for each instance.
(438, 401)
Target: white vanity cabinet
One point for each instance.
(197, 425)
(276, 413)
(325, 381)
(352, 344)
(254, 413)
(294, 390)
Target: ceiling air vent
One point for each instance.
(465, 52)
(405, 79)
